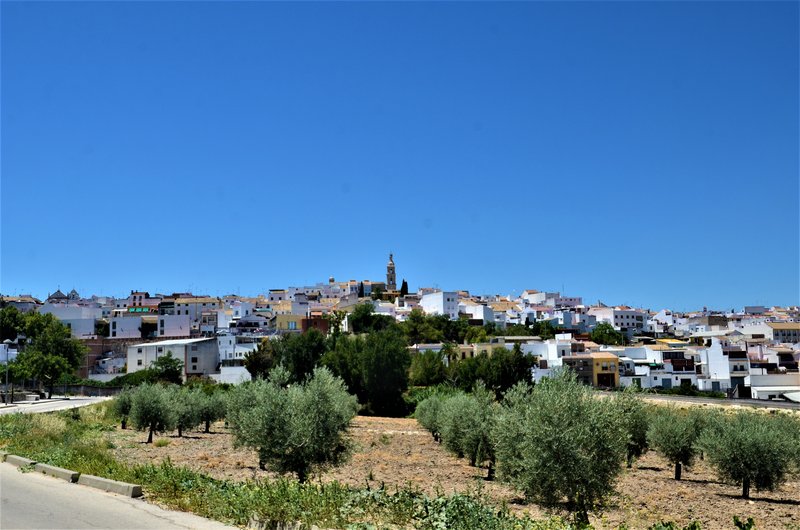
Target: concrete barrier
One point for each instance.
(113, 486)
(58, 472)
(3, 456)
(19, 461)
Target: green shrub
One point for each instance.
(427, 368)
(185, 407)
(428, 415)
(478, 444)
(635, 415)
(558, 442)
(674, 434)
(751, 449)
(453, 422)
(210, 408)
(297, 428)
(151, 410)
(122, 405)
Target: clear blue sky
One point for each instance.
(634, 152)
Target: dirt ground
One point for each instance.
(398, 452)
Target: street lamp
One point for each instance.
(8, 343)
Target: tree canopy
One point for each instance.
(559, 443)
(295, 428)
(168, 369)
(51, 353)
(604, 333)
(374, 367)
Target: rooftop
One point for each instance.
(174, 342)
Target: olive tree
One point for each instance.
(185, 407)
(635, 417)
(751, 449)
(122, 405)
(478, 443)
(295, 428)
(428, 414)
(559, 443)
(210, 408)
(151, 410)
(674, 434)
(453, 426)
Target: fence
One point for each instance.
(91, 391)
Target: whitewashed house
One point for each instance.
(440, 303)
(199, 356)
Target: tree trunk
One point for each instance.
(746, 488)
(208, 426)
(124, 423)
(581, 512)
(262, 461)
(302, 475)
(677, 470)
(180, 432)
(490, 474)
(50, 391)
(630, 460)
(150, 436)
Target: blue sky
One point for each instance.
(633, 152)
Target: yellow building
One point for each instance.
(597, 368)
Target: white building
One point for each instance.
(440, 303)
(174, 326)
(80, 319)
(127, 327)
(477, 311)
(194, 307)
(549, 353)
(199, 356)
(785, 332)
(715, 369)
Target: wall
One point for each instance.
(175, 326)
(125, 328)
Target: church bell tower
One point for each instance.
(391, 278)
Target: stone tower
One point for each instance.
(391, 278)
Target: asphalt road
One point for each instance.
(755, 403)
(33, 500)
(49, 405)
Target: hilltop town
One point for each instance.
(752, 352)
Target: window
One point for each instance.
(160, 349)
(194, 347)
(139, 362)
(138, 350)
(194, 368)
(162, 322)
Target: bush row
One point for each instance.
(563, 445)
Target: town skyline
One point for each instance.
(200, 291)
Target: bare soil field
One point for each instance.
(397, 452)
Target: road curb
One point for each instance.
(19, 461)
(105, 484)
(112, 486)
(58, 472)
